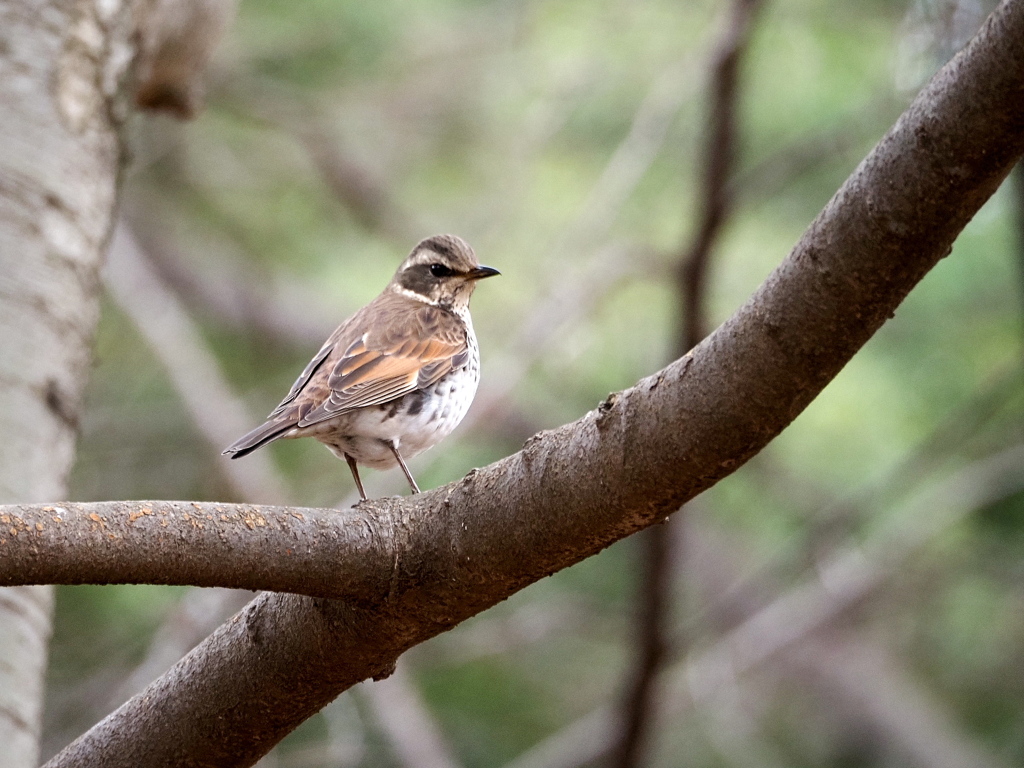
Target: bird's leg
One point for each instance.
(355, 476)
(401, 463)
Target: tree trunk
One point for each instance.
(60, 70)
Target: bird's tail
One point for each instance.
(263, 434)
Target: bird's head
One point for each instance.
(441, 270)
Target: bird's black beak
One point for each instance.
(481, 272)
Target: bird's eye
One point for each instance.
(440, 270)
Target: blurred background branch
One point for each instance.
(718, 155)
(176, 342)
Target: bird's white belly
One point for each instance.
(414, 422)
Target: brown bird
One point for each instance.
(397, 376)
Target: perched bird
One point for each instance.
(397, 376)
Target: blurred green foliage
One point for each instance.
(497, 121)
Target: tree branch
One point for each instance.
(574, 490)
(719, 156)
(317, 552)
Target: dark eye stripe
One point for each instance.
(440, 270)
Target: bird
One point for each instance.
(396, 377)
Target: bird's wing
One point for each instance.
(287, 414)
(390, 348)
(307, 373)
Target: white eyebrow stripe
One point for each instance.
(425, 256)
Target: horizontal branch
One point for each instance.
(317, 552)
(575, 490)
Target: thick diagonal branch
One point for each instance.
(574, 490)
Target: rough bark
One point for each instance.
(318, 552)
(60, 69)
(635, 459)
